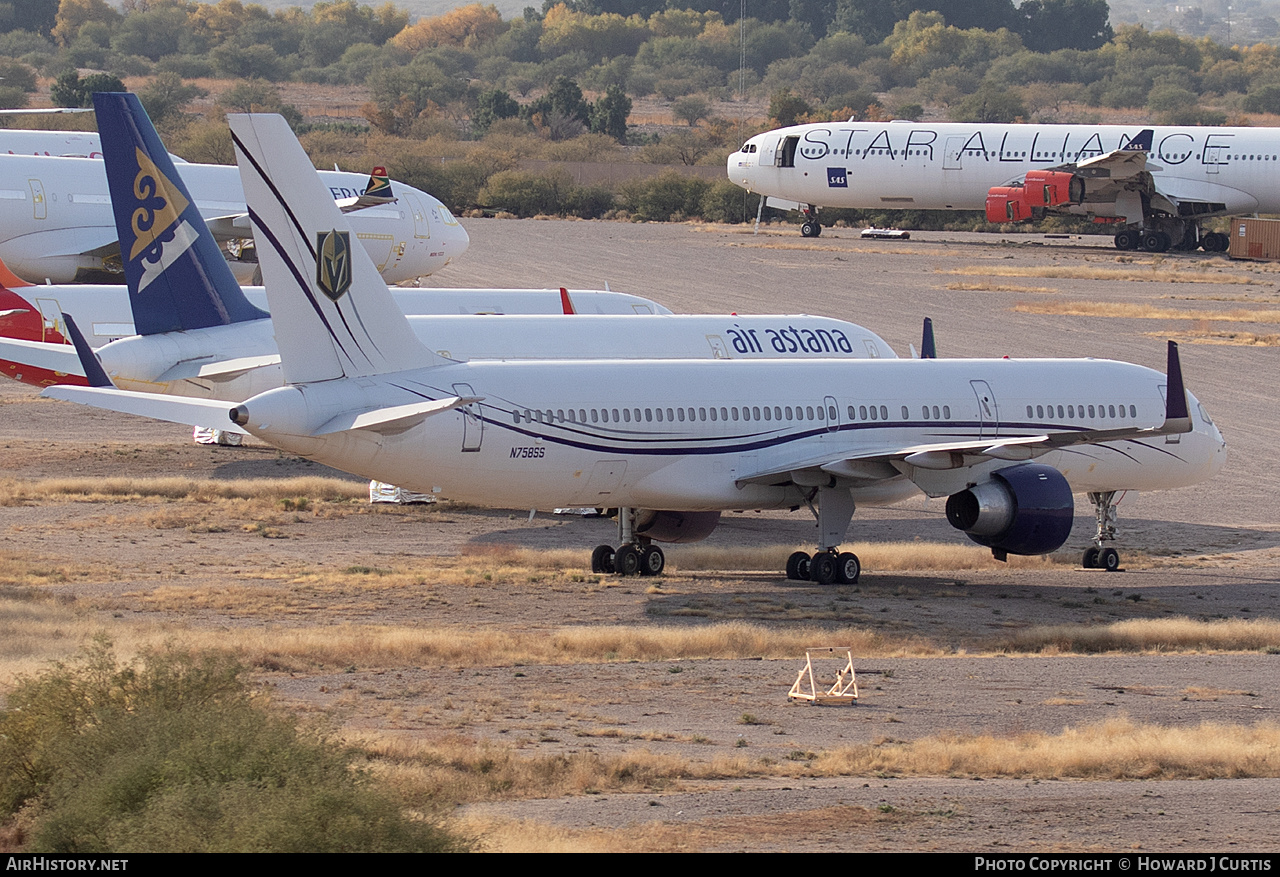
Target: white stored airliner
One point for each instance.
(56, 222)
(1157, 185)
(674, 443)
(201, 335)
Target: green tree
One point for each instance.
(492, 105)
(166, 96)
(786, 108)
(691, 109)
(1047, 25)
(609, 115)
(69, 90)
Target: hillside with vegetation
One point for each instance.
(513, 113)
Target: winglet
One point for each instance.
(928, 349)
(93, 370)
(1142, 142)
(9, 280)
(565, 303)
(178, 278)
(1176, 412)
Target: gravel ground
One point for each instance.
(1213, 551)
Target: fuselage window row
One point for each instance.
(1074, 411)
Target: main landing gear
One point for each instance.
(1095, 556)
(830, 565)
(1155, 240)
(810, 228)
(636, 555)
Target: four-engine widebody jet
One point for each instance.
(1156, 184)
(56, 222)
(674, 443)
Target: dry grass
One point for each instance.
(1156, 273)
(446, 773)
(877, 556)
(1146, 312)
(375, 646)
(25, 571)
(1149, 635)
(1232, 339)
(1115, 749)
(16, 492)
(996, 287)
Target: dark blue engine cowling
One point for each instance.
(676, 526)
(1024, 509)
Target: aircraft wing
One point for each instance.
(1110, 185)
(888, 462)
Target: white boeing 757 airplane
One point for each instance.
(1156, 185)
(674, 443)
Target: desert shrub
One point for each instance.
(664, 198)
(173, 752)
(726, 202)
(526, 194)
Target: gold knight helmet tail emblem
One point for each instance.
(333, 262)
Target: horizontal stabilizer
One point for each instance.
(221, 370)
(395, 419)
(175, 409)
(59, 358)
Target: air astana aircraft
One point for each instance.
(673, 443)
(56, 222)
(201, 335)
(1157, 185)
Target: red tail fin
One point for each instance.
(565, 303)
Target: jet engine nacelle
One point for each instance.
(675, 526)
(1024, 509)
(1053, 188)
(1008, 204)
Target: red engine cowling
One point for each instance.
(1008, 204)
(1053, 188)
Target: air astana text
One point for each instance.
(789, 339)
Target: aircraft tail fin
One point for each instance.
(1141, 142)
(928, 348)
(378, 191)
(94, 373)
(177, 276)
(332, 312)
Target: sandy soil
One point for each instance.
(1210, 552)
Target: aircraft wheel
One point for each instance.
(1109, 559)
(798, 566)
(1090, 558)
(823, 568)
(810, 228)
(652, 561)
(1216, 242)
(848, 568)
(1124, 241)
(627, 561)
(1155, 241)
(602, 559)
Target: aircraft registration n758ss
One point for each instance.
(672, 444)
(1156, 184)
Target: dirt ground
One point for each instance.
(1207, 552)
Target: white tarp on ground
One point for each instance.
(381, 492)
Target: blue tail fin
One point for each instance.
(178, 278)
